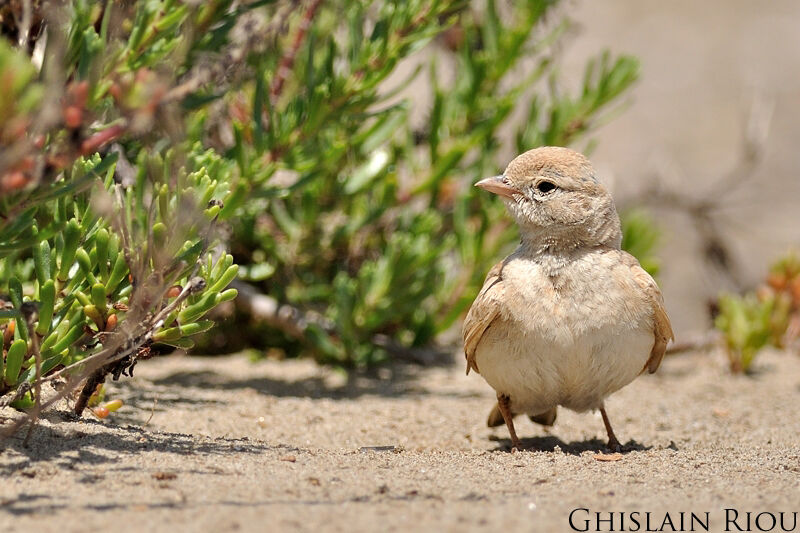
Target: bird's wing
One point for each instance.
(662, 329)
(485, 309)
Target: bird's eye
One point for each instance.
(545, 186)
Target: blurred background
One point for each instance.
(714, 76)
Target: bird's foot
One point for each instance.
(504, 404)
(613, 443)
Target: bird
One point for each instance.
(569, 317)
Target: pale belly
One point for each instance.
(538, 375)
(571, 344)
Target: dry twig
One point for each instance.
(703, 208)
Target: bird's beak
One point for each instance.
(496, 185)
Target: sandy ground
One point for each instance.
(224, 445)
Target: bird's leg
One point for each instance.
(504, 403)
(613, 443)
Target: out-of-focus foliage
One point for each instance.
(769, 316)
(747, 325)
(366, 218)
(640, 237)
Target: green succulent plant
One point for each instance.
(103, 261)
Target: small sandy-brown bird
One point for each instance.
(568, 318)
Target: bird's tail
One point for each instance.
(548, 418)
(495, 417)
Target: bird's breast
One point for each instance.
(589, 293)
(566, 339)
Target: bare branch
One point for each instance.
(692, 343)
(703, 209)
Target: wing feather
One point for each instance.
(484, 310)
(662, 329)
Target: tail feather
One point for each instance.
(548, 418)
(495, 417)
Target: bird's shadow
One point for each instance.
(549, 443)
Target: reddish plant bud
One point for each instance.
(13, 181)
(796, 292)
(111, 322)
(80, 93)
(100, 138)
(115, 91)
(776, 280)
(174, 291)
(8, 334)
(73, 117)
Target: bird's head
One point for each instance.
(553, 194)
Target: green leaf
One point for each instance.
(14, 358)
(72, 236)
(47, 300)
(101, 251)
(41, 260)
(204, 305)
(118, 273)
